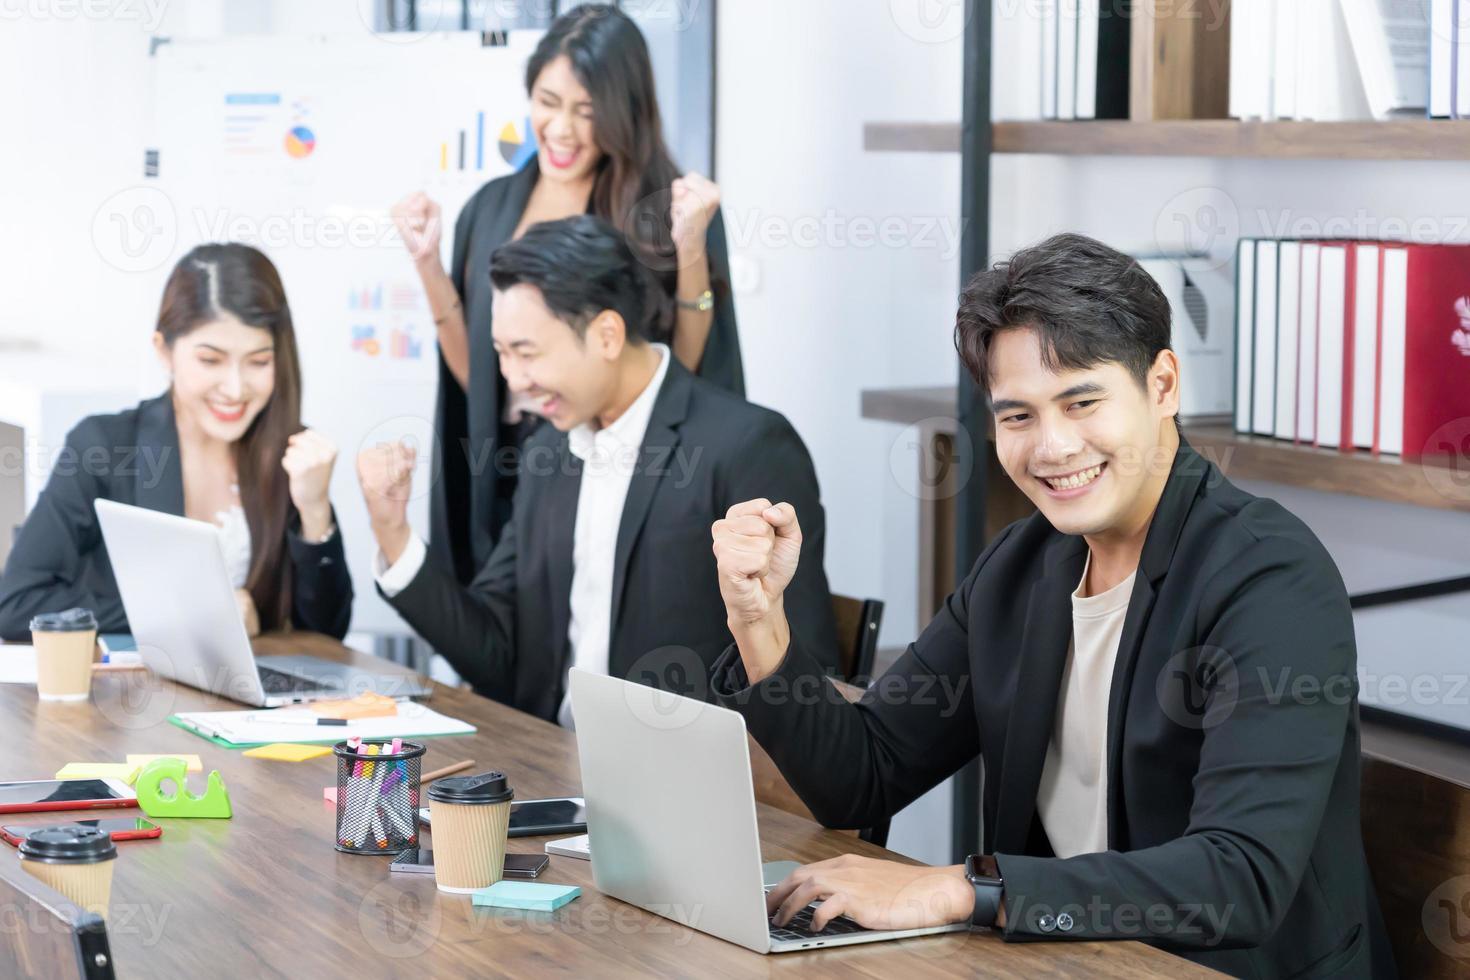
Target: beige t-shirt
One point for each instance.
(1073, 797)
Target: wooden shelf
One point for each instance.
(1405, 139)
(1361, 474)
(1422, 484)
(1412, 139)
(911, 137)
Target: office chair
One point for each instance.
(857, 643)
(58, 939)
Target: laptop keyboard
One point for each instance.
(800, 927)
(279, 682)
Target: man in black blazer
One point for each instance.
(1158, 670)
(605, 563)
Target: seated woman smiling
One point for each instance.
(224, 444)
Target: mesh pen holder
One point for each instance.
(378, 797)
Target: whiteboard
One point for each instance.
(299, 146)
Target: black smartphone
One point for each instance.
(536, 818)
(420, 860)
(533, 818)
(525, 865)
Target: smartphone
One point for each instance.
(525, 865)
(535, 818)
(420, 860)
(36, 795)
(121, 828)
(415, 860)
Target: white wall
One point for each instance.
(824, 311)
(80, 89)
(76, 100)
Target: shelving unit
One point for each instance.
(1411, 139)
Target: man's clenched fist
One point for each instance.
(386, 474)
(757, 547)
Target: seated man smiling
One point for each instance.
(1158, 670)
(605, 563)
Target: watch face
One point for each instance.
(975, 871)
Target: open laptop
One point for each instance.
(671, 817)
(182, 612)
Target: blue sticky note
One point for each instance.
(118, 643)
(533, 896)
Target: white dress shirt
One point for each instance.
(609, 456)
(1073, 796)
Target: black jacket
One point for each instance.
(471, 500)
(60, 561)
(1232, 748)
(705, 450)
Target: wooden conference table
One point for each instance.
(264, 894)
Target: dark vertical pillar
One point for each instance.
(971, 410)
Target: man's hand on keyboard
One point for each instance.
(875, 894)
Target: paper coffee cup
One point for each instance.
(76, 861)
(64, 645)
(469, 816)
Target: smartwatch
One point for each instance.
(988, 891)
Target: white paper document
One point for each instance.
(17, 664)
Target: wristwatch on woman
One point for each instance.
(988, 891)
(702, 303)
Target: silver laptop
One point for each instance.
(671, 817)
(181, 609)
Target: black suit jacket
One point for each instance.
(471, 500)
(705, 450)
(60, 560)
(1232, 746)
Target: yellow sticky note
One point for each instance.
(288, 752)
(127, 772)
(191, 761)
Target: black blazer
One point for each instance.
(1233, 831)
(60, 561)
(470, 502)
(705, 450)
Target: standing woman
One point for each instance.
(599, 150)
(224, 445)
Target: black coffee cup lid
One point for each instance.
(66, 845)
(484, 787)
(72, 621)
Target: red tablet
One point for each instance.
(64, 794)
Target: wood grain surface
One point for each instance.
(264, 894)
(1398, 139)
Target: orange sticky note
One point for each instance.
(288, 752)
(369, 705)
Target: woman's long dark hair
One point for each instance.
(632, 186)
(239, 281)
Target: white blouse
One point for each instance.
(234, 541)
